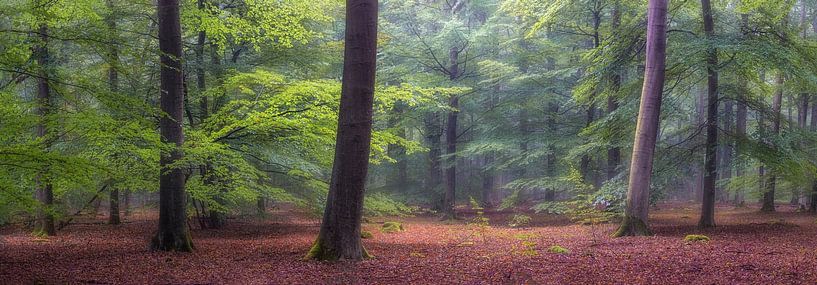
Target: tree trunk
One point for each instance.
(768, 194)
(614, 152)
(173, 234)
(261, 205)
(126, 202)
(451, 140)
(488, 183)
(711, 163)
(638, 193)
(339, 238)
(44, 192)
(433, 137)
(740, 122)
(113, 86)
(813, 195)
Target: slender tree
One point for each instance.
(614, 152)
(638, 192)
(113, 86)
(44, 193)
(711, 160)
(451, 139)
(339, 238)
(771, 182)
(742, 114)
(173, 234)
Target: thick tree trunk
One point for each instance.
(339, 238)
(768, 194)
(173, 234)
(44, 192)
(638, 193)
(451, 140)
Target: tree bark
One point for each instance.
(768, 194)
(711, 162)
(638, 193)
(44, 192)
(433, 136)
(173, 234)
(614, 152)
(813, 194)
(113, 86)
(451, 140)
(339, 238)
(740, 121)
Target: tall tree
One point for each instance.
(614, 152)
(771, 182)
(451, 134)
(339, 238)
(173, 234)
(113, 86)
(638, 192)
(44, 193)
(451, 139)
(742, 114)
(711, 161)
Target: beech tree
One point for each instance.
(638, 193)
(711, 160)
(173, 234)
(339, 237)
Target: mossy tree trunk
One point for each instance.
(339, 238)
(638, 193)
(173, 234)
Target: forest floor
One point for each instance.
(746, 248)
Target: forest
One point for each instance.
(408, 142)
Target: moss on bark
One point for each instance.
(632, 226)
(321, 252)
(168, 241)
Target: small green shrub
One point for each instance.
(558, 250)
(694, 238)
(366, 235)
(519, 221)
(392, 227)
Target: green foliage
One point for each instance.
(519, 221)
(696, 238)
(380, 204)
(555, 249)
(366, 234)
(392, 227)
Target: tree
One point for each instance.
(711, 161)
(113, 85)
(339, 237)
(44, 193)
(638, 192)
(771, 181)
(173, 234)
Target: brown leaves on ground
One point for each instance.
(746, 248)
